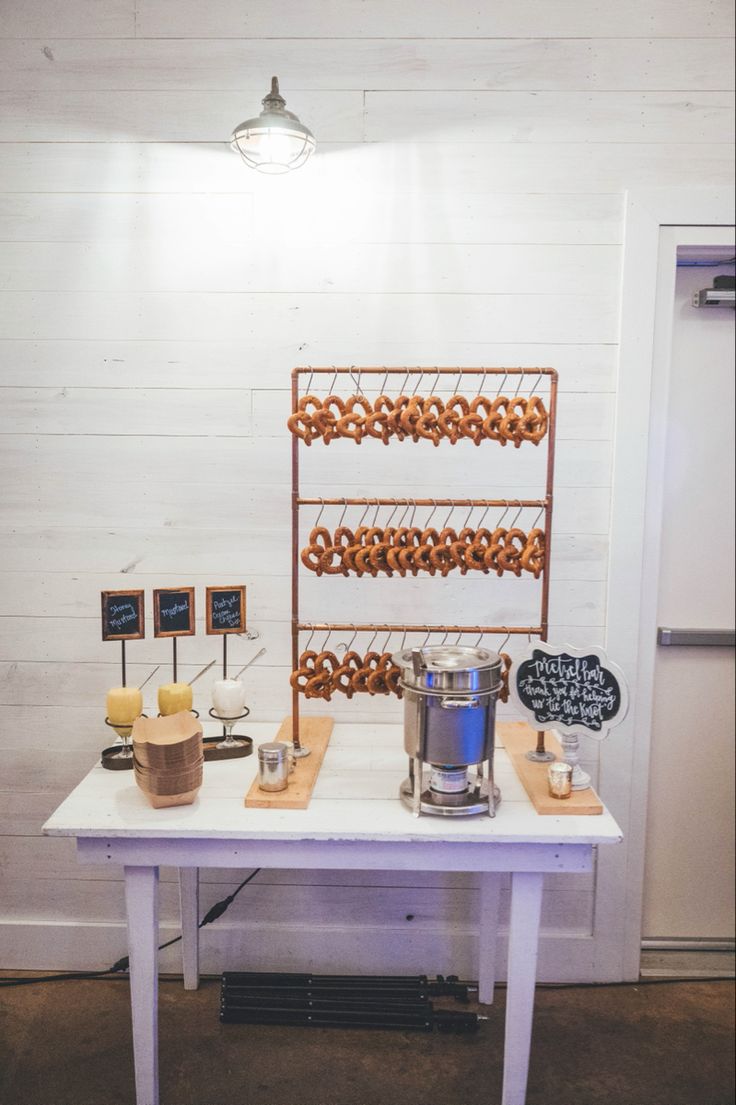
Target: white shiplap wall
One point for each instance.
(464, 207)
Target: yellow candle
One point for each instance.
(173, 697)
(124, 705)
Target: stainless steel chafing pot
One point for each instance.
(450, 694)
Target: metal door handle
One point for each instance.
(717, 638)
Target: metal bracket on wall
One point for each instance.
(716, 638)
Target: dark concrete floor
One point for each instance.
(68, 1043)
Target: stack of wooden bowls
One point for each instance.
(168, 758)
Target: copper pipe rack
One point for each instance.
(355, 373)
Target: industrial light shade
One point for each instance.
(275, 141)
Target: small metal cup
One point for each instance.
(275, 764)
(559, 776)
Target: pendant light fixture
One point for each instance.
(275, 141)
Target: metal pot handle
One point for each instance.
(468, 702)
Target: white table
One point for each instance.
(354, 822)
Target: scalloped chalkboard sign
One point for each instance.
(123, 615)
(575, 690)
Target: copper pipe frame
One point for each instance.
(547, 503)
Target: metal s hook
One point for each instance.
(404, 383)
(309, 381)
(388, 637)
(446, 522)
(539, 515)
(426, 639)
(368, 505)
(388, 520)
(370, 643)
(311, 635)
(333, 381)
(503, 382)
(480, 638)
(384, 382)
(482, 382)
(413, 512)
(518, 513)
(321, 512)
(538, 382)
(431, 514)
(506, 639)
(420, 377)
(344, 512)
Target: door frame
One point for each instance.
(647, 302)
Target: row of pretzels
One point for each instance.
(518, 419)
(322, 674)
(375, 550)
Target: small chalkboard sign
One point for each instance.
(571, 689)
(173, 612)
(226, 609)
(123, 615)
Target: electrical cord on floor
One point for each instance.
(122, 965)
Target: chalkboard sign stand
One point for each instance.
(540, 755)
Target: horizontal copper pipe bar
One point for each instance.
(357, 369)
(317, 627)
(423, 502)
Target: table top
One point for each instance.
(355, 798)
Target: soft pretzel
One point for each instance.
(510, 427)
(302, 426)
(533, 425)
(493, 419)
(503, 693)
(533, 553)
(509, 557)
(471, 425)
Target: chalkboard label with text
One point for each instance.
(123, 616)
(571, 689)
(173, 612)
(225, 609)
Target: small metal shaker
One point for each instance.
(275, 764)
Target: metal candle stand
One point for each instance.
(539, 753)
(230, 748)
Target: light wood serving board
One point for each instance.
(518, 738)
(314, 733)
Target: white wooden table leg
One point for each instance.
(189, 908)
(141, 903)
(526, 904)
(490, 894)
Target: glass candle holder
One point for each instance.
(559, 776)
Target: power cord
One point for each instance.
(123, 964)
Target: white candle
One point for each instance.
(228, 697)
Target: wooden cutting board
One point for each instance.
(518, 738)
(314, 733)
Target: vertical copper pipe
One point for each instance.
(174, 664)
(549, 492)
(224, 656)
(122, 651)
(295, 560)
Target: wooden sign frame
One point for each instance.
(157, 630)
(136, 596)
(210, 599)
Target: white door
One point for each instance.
(689, 857)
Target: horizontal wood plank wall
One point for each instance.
(464, 207)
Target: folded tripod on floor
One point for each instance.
(344, 1001)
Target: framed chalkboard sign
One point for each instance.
(173, 612)
(575, 690)
(225, 609)
(123, 615)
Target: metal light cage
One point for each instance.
(275, 141)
